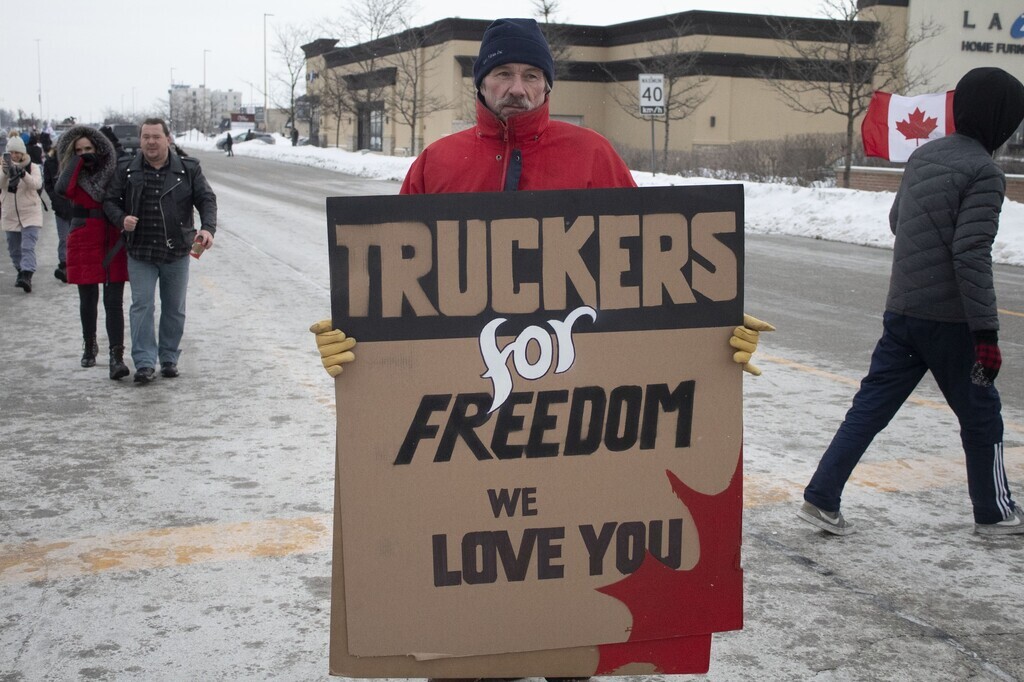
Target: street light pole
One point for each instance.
(39, 67)
(206, 102)
(266, 105)
(170, 102)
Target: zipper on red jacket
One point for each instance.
(504, 157)
(512, 170)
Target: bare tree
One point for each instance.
(368, 73)
(111, 116)
(369, 20)
(160, 108)
(686, 88)
(546, 12)
(290, 78)
(416, 50)
(837, 68)
(335, 98)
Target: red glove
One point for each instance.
(987, 358)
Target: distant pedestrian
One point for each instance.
(61, 211)
(109, 133)
(295, 137)
(228, 144)
(152, 197)
(941, 311)
(22, 215)
(95, 252)
(35, 149)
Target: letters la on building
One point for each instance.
(539, 446)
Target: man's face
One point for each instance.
(154, 143)
(512, 89)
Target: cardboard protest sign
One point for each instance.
(539, 444)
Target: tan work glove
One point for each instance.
(744, 340)
(335, 348)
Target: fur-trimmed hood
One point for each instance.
(93, 180)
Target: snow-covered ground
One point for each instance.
(843, 215)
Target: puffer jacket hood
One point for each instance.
(988, 105)
(93, 180)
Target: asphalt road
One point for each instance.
(181, 531)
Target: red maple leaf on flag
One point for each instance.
(916, 126)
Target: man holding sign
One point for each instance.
(513, 147)
(516, 146)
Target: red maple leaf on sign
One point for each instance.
(916, 126)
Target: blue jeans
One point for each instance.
(173, 280)
(63, 228)
(909, 347)
(21, 246)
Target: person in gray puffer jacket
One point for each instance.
(941, 310)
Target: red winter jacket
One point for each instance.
(555, 155)
(89, 244)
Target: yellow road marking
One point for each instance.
(164, 547)
(889, 476)
(1010, 312)
(838, 378)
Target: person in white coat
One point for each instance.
(21, 216)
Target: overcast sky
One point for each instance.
(98, 55)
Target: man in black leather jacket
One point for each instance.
(151, 197)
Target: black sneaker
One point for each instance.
(144, 375)
(168, 370)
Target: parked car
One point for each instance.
(245, 136)
(128, 135)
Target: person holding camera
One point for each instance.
(95, 250)
(22, 215)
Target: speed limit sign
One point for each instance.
(652, 94)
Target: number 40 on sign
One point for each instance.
(652, 94)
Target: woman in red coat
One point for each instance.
(95, 250)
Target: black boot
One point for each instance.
(61, 272)
(89, 352)
(24, 280)
(118, 370)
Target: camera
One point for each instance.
(13, 173)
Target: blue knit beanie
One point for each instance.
(513, 41)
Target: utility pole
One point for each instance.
(170, 102)
(266, 105)
(39, 67)
(206, 99)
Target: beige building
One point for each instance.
(363, 93)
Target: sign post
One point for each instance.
(652, 101)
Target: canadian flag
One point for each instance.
(895, 125)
